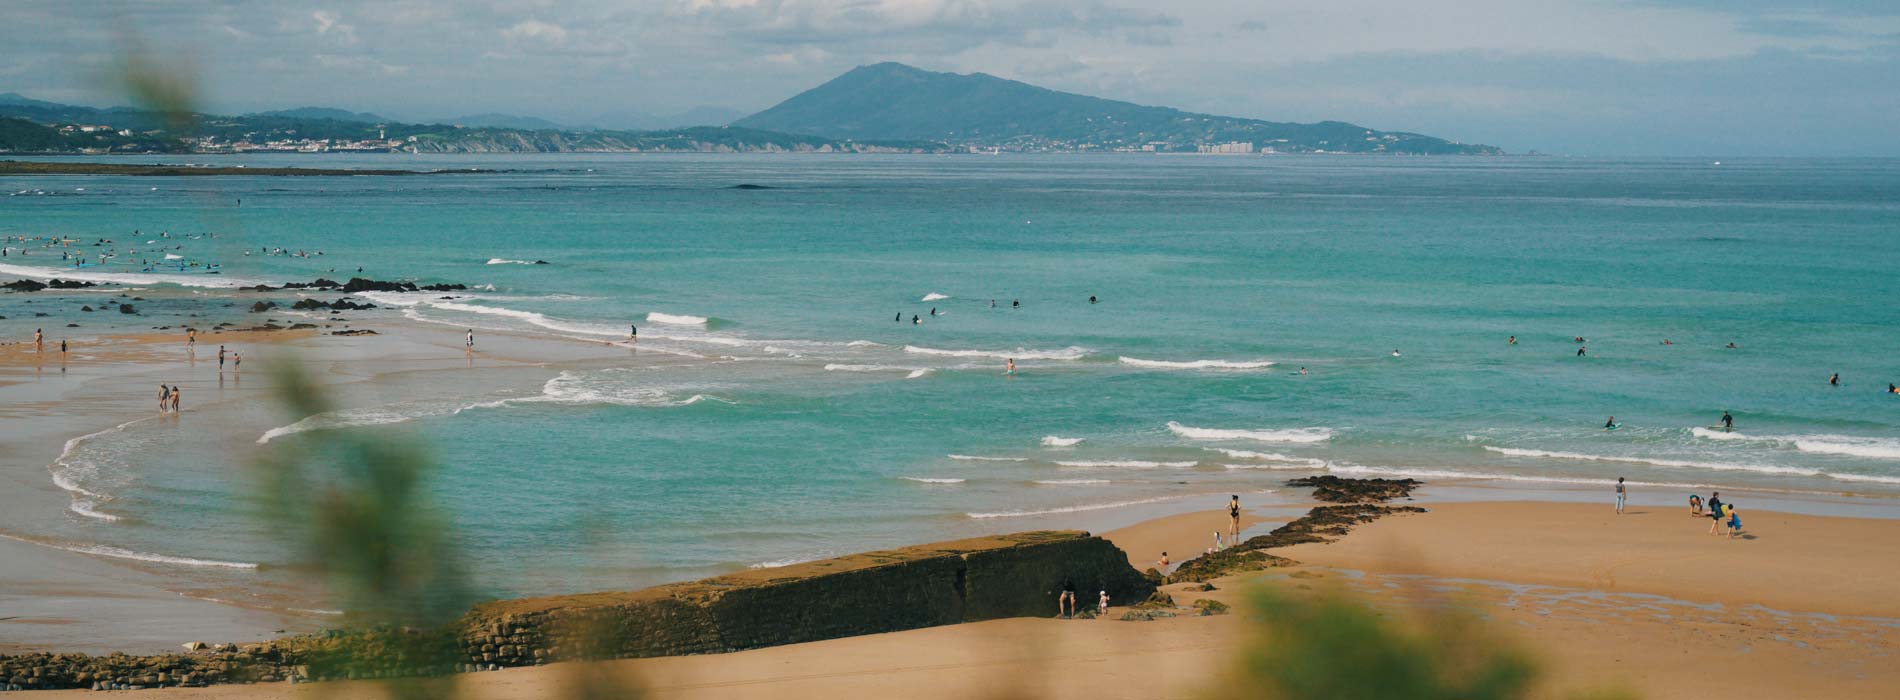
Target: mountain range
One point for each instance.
(881, 107)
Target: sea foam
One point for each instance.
(1068, 353)
(1055, 441)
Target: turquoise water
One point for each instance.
(775, 411)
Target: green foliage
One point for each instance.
(1332, 647)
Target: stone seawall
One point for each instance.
(937, 584)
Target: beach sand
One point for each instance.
(1663, 625)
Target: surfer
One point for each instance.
(1610, 424)
(1891, 389)
(1728, 421)
(933, 311)
(1395, 353)
(1016, 303)
(1834, 379)
(899, 319)
(915, 321)
(1580, 352)
(1091, 298)
(1512, 341)
(992, 303)
(1731, 345)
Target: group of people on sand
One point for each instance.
(1722, 516)
(1066, 599)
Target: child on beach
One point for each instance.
(1101, 606)
(1695, 505)
(1162, 563)
(175, 393)
(1734, 523)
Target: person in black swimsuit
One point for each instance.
(1233, 520)
(1065, 603)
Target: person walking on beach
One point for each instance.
(633, 333)
(175, 394)
(1734, 523)
(191, 339)
(469, 346)
(1233, 519)
(220, 359)
(1065, 602)
(164, 397)
(237, 362)
(1715, 511)
(1622, 495)
(39, 340)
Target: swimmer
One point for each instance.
(992, 303)
(1302, 371)
(1091, 298)
(1667, 341)
(1395, 353)
(1834, 379)
(1731, 345)
(1016, 304)
(1512, 341)
(1010, 366)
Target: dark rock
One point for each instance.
(1210, 607)
(57, 283)
(357, 331)
(87, 308)
(540, 262)
(25, 285)
(263, 306)
(127, 309)
(72, 325)
(1333, 489)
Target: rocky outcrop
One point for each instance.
(1321, 524)
(343, 304)
(1333, 489)
(361, 284)
(26, 285)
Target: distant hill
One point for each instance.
(896, 101)
(331, 113)
(35, 126)
(504, 121)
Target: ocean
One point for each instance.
(1254, 319)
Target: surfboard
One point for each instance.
(1613, 426)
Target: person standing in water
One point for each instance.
(1834, 379)
(915, 320)
(1016, 303)
(470, 342)
(220, 359)
(1728, 421)
(164, 397)
(39, 339)
(1091, 298)
(237, 362)
(899, 319)
(175, 393)
(633, 333)
(1009, 366)
(1622, 495)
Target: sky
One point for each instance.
(1583, 77)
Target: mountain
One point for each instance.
(503, 121)
(330, 113)
(896, 101)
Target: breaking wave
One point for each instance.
(1069, 353)
(1294, 435)
(1054, 441)
(1196, 364)
(1757, 468)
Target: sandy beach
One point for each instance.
(1639, 633)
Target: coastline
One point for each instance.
(1178, 526)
